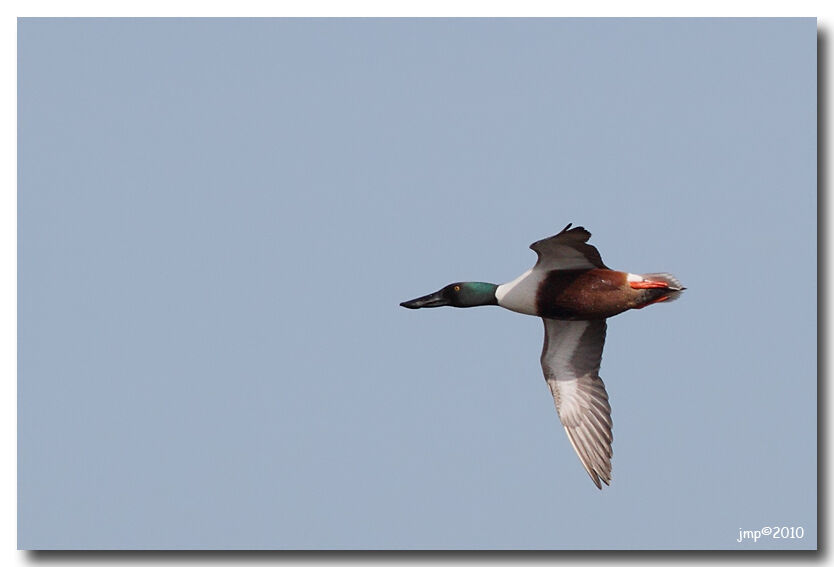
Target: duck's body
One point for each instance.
(574, 293)
(577, 294)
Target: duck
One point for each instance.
(574, 293)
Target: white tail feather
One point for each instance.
(669, 279)
(673, 283)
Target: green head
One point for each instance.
(460, 294)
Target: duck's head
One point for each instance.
(460, 294)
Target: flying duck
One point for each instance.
(574, 293)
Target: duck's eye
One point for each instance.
(457, 288)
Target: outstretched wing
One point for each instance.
(570, 360)
(568, 250)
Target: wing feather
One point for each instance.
(568, 250)
(570, 361)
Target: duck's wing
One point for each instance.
(570, 360)
(568, 250)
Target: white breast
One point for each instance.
(519, 295)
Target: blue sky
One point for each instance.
(218, 219)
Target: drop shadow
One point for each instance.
(822, 287)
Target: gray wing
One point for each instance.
(570, 360)
(568, 250)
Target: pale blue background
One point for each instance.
(218, 219)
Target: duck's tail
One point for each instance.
(669, 286)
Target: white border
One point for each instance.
(445, 8)
(208, 8)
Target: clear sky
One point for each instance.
(218, 219)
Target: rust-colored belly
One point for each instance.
(584, 294)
